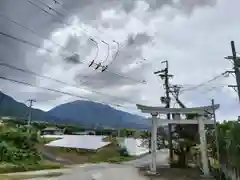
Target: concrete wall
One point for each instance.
(133, 146)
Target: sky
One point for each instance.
(194, 36)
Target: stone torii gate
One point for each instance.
(200, 120)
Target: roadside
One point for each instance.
(35, 174)
(134, 170)
(72, 171)
(161, 159)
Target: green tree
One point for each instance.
(18, 145)
(185, 136)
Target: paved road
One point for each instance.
(106, 171)
(101, 172)
(162, 159)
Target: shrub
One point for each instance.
(123, 151)
(17, 145)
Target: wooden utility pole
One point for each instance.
(236, 66)
(164, 74)
(30, 111)
(216, 134)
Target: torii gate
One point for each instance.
(200, 120)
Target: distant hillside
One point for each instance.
(88, 112)
(77, 112)
(11, 107)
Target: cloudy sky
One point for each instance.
(193, 35)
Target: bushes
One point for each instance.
(17, 146)
(123, 151)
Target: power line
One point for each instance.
(32, 31)
(24, 41)
(39, 47)
(100, 63)
(210, 89)
(55, 91)
(57, 13)
(35, 74)
(204, 83)
(108, 48)
(41, 37)
(114, 58)
(60, 20)
(105, 68)
(207, 88)
(59, 81)
(29, 43)
(51, 8)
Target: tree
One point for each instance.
(18, 146)
(161, 138)
(185, 137)
(229, 142)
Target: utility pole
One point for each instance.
(236, 64)
(30, 111)
(216, 133)
(164, 74)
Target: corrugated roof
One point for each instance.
(81, 142)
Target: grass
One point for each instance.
(10, 168)
(110, 139)
(109, 154)
(48, 140)
(6, 167)
(6, 178)
(21, 177)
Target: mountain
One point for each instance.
(11, 107)
(92, 113)
(77, 112)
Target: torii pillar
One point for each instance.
(200, 120)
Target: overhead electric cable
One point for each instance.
(204, 83)
(56, 91)
(37, 46)
(114, 57)
(60, 82)
(96, 64)
(46, 5)
(42, 37)
(108, 49)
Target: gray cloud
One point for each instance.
(90, 10)
(186, 41)
(138, 39)
(185, 5)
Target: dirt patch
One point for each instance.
(109, 153)
(173, 174)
